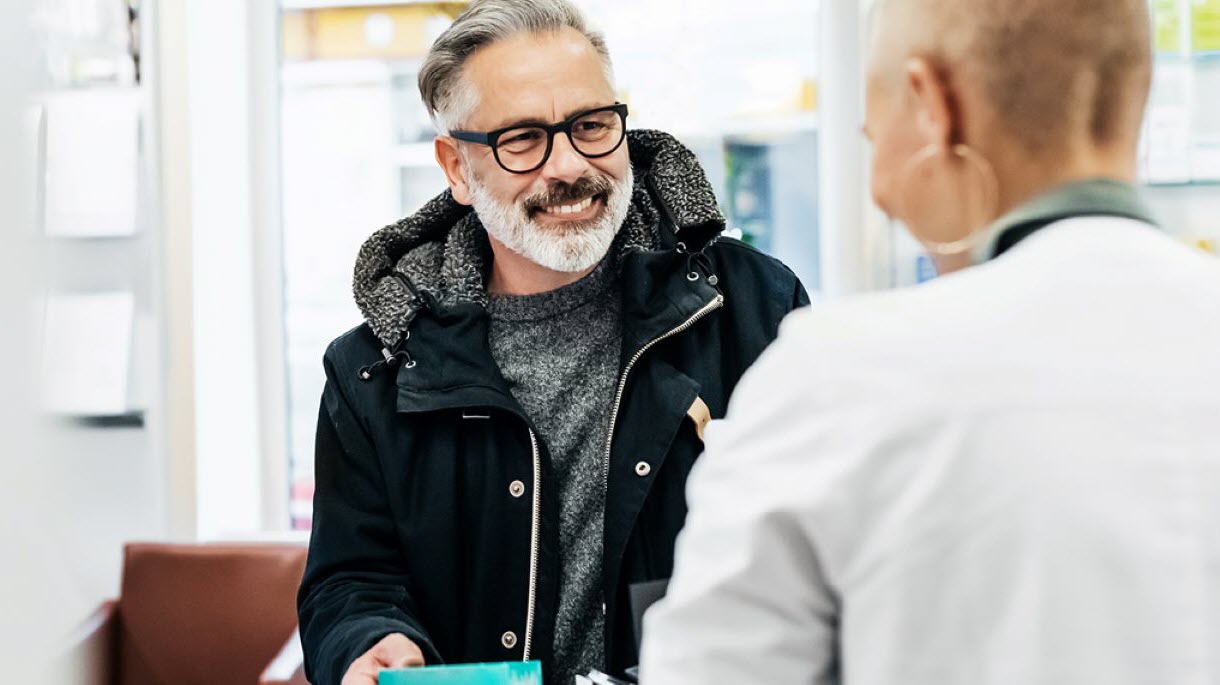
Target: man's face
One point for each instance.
(565, 214)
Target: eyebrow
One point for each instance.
(541, 122)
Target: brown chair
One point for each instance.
(199, 615)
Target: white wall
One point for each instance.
(36, 510)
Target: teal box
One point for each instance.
(508, 673)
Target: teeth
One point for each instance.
(571, 209)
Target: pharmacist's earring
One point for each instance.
(947, 195)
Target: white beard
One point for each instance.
(568, 250)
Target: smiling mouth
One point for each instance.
(570, 209)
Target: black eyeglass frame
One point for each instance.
(492, 138)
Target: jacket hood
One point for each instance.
(440, 255)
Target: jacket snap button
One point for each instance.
(642, 469)
(509, 640)
(516, 488)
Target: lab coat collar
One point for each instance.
(1091, 197)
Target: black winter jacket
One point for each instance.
(434, 512)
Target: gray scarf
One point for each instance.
(442, 250)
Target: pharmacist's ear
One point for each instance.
(450, 158)
(935, 113)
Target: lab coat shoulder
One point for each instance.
(835, 371)
(789, 459)
(844, 352)
(814, 427)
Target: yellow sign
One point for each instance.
(1168, 26)
(1205, 25)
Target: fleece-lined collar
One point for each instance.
(441, 254)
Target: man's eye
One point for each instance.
(519, 138)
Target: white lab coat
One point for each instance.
(1010, 475)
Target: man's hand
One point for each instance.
(394, 651)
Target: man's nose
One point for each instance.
(565, 164)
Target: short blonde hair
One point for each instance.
(1052, 70)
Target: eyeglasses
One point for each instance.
(523, 149)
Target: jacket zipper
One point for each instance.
(535, 537)
(536, 526)
(622, 385)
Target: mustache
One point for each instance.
(568, 193)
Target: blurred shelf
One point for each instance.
(764, 127)
(1210, 184)
(131, 419)
(777, 125)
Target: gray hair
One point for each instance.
(449, 97)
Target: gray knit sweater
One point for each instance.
(560, 353)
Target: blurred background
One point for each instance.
(187, 183)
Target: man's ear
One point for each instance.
(450, 159)
(936, 112)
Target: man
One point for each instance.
(503, 446)
(1010, 475)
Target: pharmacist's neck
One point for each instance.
(1023, 180)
